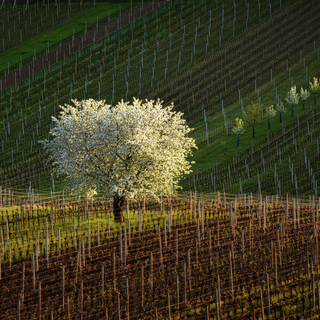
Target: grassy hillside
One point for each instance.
(41, 27)
(198, 54)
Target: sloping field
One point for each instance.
(224, 257)
(61, 38)
(202, 56)
(201, 255)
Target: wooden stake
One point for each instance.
(207, 312)
(165, 231)
(23, 279)
(160, 245)
(68, 307)
(177, 247)
(81, 299)
(9, 248)
(79, 220)
(89, 234)
(217, 234)
(168, 305)
(59, 251)
(313, 294)
(218, 285)
(151, 270)
(47, 251)
(63, 285)
(19, 309)
(33, 271)
(217, 303)
(231, 274)
(98, 233)
(102, 279)
(318, 290)
(268, 292)
(189, 269)
(39, 298)
(74, 235)
(118, 306)
(142, 286)
(261, 302)
(128, 298)
(185, 282)
(242, 242)
(120, 246)
(114, 270)
(83, 254)
(275, 267)
(177, 293)
(209, 240)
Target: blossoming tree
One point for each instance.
(270, 113)
(281, 109)
(292, 98)
(238, 129)
(129, 150)
(304, 94)
(314, 88)
(253, 115)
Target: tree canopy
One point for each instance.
(253, 115)
(126, 151)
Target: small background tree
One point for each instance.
(238, 129)
(292, 98)
(136, 150)
(253, 115)
(304, 94)
(281, 109)
(270, 113)
(314, 88)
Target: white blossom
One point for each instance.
(130, 150)
(292, 97)
(315, 85)
(280, 107)
(270, 112)
(304, 94)
(239, 127)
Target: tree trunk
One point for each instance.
(118, 208)
(252, 132)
